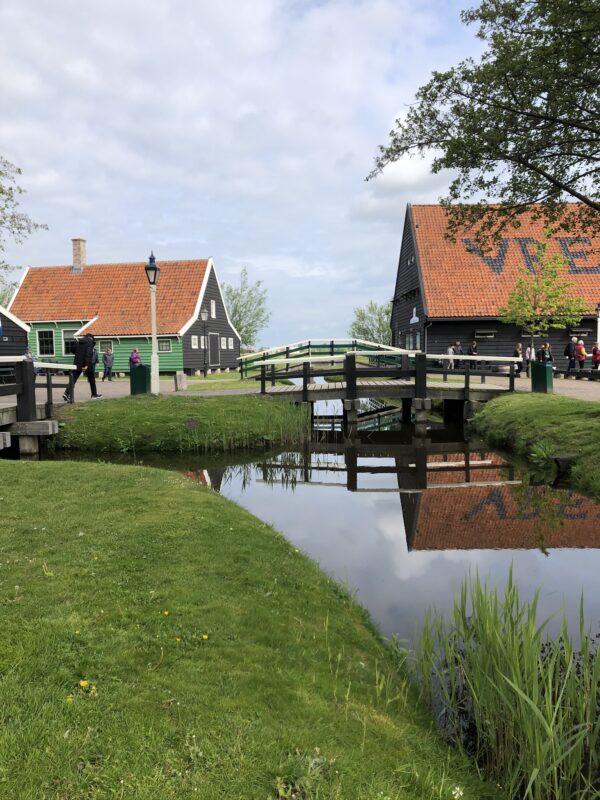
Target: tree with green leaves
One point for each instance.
(13, 223)
(247, 308)
(543, 299)
(372, 323)
(521, 125)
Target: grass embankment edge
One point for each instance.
(181, 424)
(538, 427)
(160, 641)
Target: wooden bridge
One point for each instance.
(411, 376)
(26, 420)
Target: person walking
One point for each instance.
(84, 362)
(472, 351)
(458, 351)
(518, 353)
(596, 356)
(570, 354)
(450, 352)
(530, 357)
(107, 360)
(134, 358)
(30, 357)
(580, 354)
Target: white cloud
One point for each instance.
(238, 130)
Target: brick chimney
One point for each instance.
(78, 254)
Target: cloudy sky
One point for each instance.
(241, 130)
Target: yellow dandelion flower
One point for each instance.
(205, 636)
(93, 690)
(178, 638)
(77, 633)
(166, 613)
(84, 684)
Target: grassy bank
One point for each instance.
(536, 427)
(180, 424)
(160, 642)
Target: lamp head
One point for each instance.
(152, 270)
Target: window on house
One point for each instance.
(230, 342)
(417, 337)
(223, 343)
(486, 333)
(45, 343)
(164, 345)
(104, 345)
(407, 341)
(195, 343)
(213, 309)
(69, 342)
(203, 342)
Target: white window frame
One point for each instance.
(104, 344)
(194, 342)
(213, 309)
(223, 343)
(62, 335)
(45, 330)
(168, 342)
(230, 342)
(203, 342)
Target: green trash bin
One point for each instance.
(139, 379)
(542, 377)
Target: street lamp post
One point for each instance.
(598, 324)
(152, 271)
(204, 317)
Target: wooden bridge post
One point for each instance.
(421, 375)
(405, 363)
(287, 355)
(49, 401)
(272, 374)
(350, 373)
(305, 380)
(351, 459)
(263, 379)
(511, 378)
(26, 409)
(467, 380)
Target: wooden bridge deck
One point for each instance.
(385, 388)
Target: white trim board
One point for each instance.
(14, 319)
(210, 266)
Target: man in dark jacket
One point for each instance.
(84, 361)
(570, 354)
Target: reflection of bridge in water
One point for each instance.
(454, 495)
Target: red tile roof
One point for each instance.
(500, 517)
(459, 280)
(117, 294)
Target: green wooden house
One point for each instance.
(112, 301)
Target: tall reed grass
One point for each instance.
(527, 707)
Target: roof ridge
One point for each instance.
(186, 261)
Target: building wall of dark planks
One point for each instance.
(13, 340)
(193, 358)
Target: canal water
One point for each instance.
(400, 520)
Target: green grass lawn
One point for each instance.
(181, 424)
(536, 426)
(225, 380)
(160, 642)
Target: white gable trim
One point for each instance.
(14, 319)
(210, 266)
(16, 292)
(83, 327)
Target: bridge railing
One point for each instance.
(307, 348)
(22, 382)
(399, 364)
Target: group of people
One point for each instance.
(86, 361)
(574, 351)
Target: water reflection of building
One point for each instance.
(211, 479)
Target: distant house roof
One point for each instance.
(460, 280)
(113, 299)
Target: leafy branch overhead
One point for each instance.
(544, 299)
(247, 308)
(520, 126)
